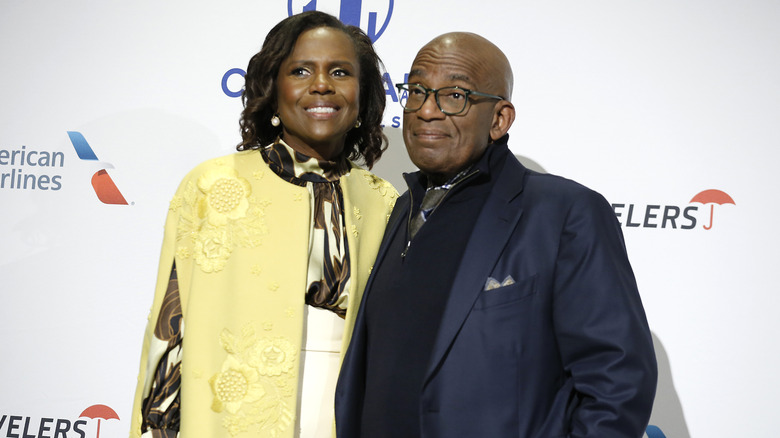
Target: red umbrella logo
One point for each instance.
(101, 412)
(713, 197)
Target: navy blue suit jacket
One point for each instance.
(565, 351)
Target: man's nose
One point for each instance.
(430, 109)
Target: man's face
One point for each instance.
(441, 145)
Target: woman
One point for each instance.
(267, 251)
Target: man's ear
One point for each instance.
(503, 117)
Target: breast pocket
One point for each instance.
(506, 294)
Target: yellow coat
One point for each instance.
(240, 236)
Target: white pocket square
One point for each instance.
(492, 283)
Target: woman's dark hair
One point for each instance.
(259, 96)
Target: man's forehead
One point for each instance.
(463, 57)
(449, 67)
(448, 74)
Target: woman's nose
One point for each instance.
(321, 83)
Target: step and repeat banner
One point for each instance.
(670, 109)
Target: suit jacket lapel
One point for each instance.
(397, 219)
(495, 224)
(351, 379)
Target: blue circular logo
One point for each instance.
(365, 14)
(654, 432)
(227, 76)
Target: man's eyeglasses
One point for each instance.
(450, 100)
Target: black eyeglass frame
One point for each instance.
(405, 86)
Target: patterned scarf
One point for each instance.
(328, 274)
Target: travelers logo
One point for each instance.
(47, 427)
(712, 197)
(349, 12)
(672, 216)
(99, 412)
(105, 189)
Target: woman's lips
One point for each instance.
(322, 111)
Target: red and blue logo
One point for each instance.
(105, 189)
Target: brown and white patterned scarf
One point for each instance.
(328, 274)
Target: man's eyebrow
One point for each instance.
(416, 72)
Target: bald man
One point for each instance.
(502, 302)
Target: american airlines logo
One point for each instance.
(105, 189)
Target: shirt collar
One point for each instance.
(494, 152)
(287, 162)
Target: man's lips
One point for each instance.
(432, 134)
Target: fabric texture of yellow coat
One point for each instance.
(239, 236)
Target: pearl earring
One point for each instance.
(275, 121)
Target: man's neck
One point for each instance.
(448, 181)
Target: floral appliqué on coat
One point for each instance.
(256, 382)
(217, 214)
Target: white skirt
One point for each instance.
(319, 372)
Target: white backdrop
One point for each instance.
(648, 102)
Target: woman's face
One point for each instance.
(318, 92)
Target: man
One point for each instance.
(502, 302)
